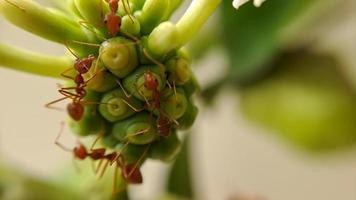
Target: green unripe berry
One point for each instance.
(99, 79)
(191, 87)
(132, 153)
(137, 129)
(116, 106)
(165, 149)
(175, 104)
(119, 56)
(179, 70)
(130, 25)
(134, 83)
(110, 141)
(188, 119)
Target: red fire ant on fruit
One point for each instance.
(131, 172)
(76, 109)
(164, 123)
(113, 21)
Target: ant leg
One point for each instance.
(84, 24)
(85, 43)
(103, 170)
(69, 94)
(115, 179)
(138, 89)
(123, 89)
(173, 87)
(57, 139)
(49, 105)
(17, 6)
(71, 51)
(67, 76)
(138, 132)
(159, 64)
(139, 160)
(119, 153)
(132, 107)
(77, 169)
(127, 9)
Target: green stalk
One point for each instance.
(195, 17)
(35, 63)
(39, 20)
(167, 36)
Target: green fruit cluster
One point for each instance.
(135, 100)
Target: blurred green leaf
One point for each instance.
(180, 181)
(307, 101)
(252, 35)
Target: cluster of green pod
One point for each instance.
(131, 118)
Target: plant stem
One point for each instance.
(31, 62)
(194, 18)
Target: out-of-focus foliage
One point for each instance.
(18, 186)
(307, 101)
(253, 35)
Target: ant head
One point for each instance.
(75, 111)
(151, 81)
(80, 151)
(113, 23)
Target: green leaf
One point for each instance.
(180, 181)
(306, 101)
(252, 35)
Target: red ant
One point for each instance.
(131, 172)
(76, 109)
(163, 124)
(113, 21)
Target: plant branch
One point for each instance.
(31, 62)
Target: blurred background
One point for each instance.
(277, 110)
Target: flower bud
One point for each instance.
(132, 153)
(163, 39)
(130, 25)
(165, 149)
(153, 12)
(135, 82)
(116, 106)
(188, 119)
(174, 104)
(138, 129)
(119, 56)
(99, 79)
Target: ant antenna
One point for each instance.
(57, 139)
(15, 5)
(84, 24)
(71, 51)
